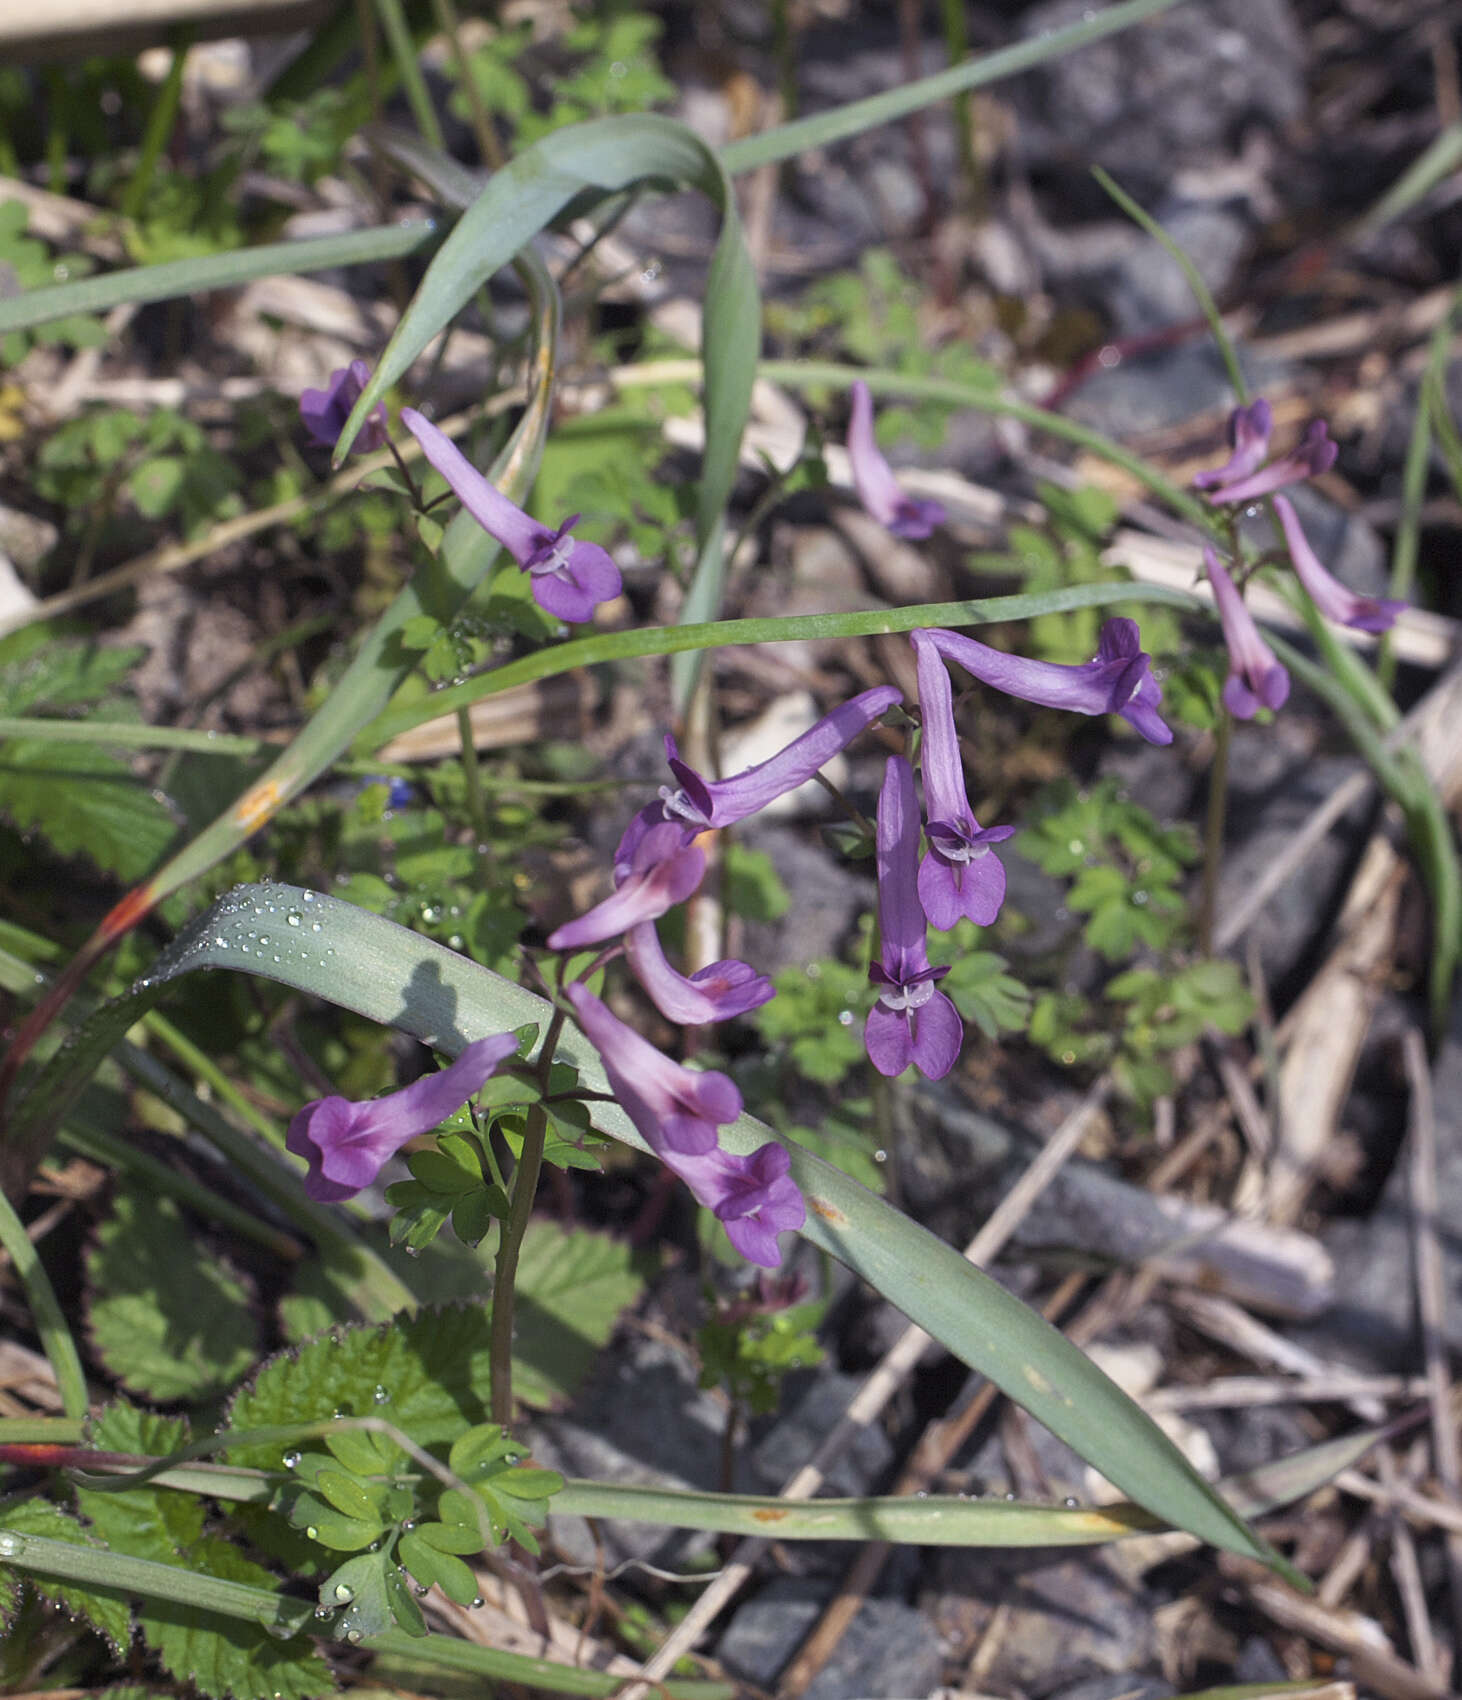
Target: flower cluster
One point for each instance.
(659, 863)
(1256, 679)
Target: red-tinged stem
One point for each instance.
(117, 923)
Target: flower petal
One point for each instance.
(1255, 678)
(519, 533)
(938, 1035)
(888, 1041)
(1334, 600)
(717, 993)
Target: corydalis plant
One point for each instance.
(324, 412)
(913, 1021)
(1255, 679)
(959, 877)
(346, 1144)
(570, 577)
(911, 517)
(678, 1112)
(1117, 680)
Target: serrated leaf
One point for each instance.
(167, 1321)
(572, 1289)
(45, 667)
(84, 802)
(106, 1612)
(226, 1656)
(431, 1370)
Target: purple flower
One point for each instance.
(878, 490)
(346, 1144)
(324, 412)
(911, 1022)
(1335, 602)
(1255, 679)
(1248, 435)
(704, 805)
(676, 1109)
(711, 994)
(570, 577)
(1117, 680)
(1243, 477)
(958, 876)
(677, 1112)
(663, 871)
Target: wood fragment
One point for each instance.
(1431, 1297)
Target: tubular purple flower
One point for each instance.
(675, 1108)
(958, 876)
(711, 994)
(346, 1144)
(1248, 433)
(663, 871)
(704, 805)
(1330, 596)
(1255, 680)
(911, 517)
(570, 577)
(324, 412)
(753, 1196)
(911, 1022)
(1117, 680)
(1314, 454)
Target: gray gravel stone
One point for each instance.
(796, 1436)
(890, 1651)
(1171, 92)
(1149, 290)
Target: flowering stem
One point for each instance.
(476, 803)
(1213, 831)
(510, 1238)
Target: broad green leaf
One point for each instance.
(167, 1320)
(396, 977)
(590, 161)
(573, 1286)
(84, 802)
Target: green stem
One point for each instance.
(1201, 294)
(510, 1239)
(160, 122)
(403, 51)
(779, 628)
(127, 734)
(1213, 831)
(510, 1243)
(1413, 491)
(957, 45)
(472, 773)
(45, 1312)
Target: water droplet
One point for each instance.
(1010, 1498)
(293, 918)
(845, 1018)
(353, 1636)
(408, 1525)
(880, 1156)
(381, 1396)
(323, 1611)
(923, 1493)
(1071, 1502)
(312, 1532)
(291, 1460)
(477, 1601)
(344, 1593)
(419, 1590)
(10, 1544)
